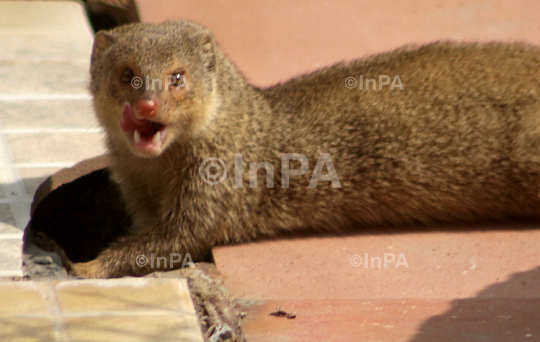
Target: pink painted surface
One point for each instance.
(391, 320)
(460, 286)
(427, 265)
(272, 41)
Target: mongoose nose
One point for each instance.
(147, 108)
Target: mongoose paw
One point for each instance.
(43, 241)
(90, 269)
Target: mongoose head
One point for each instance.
(153, 84)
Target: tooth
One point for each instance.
(157, 138)
(137, 137)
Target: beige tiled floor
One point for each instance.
(46, 118)
(46, 123)
(98, 310)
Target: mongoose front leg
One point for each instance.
(154, 250)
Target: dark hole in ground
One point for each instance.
(83, 216)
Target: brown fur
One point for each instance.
(460, 142)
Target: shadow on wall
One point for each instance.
(16, 194)
(503, 312)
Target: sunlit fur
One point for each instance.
(459, 143)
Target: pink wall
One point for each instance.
(273, 40)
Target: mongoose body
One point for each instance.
(455, 138)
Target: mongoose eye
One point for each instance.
(127, 75)
(178, 79)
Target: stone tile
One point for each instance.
(33, 177)
(43, 47)
(47, 114)
(20, 298)
(18, 329)
(45, 78)
(162, 295)
(164, 313)
(134, 328)
(128, 309)
(9, 228)
(10, 257)
(45, 17)
(6, 216)
(58, 147)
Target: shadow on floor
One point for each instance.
(503, 312)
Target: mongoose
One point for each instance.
(455, 139)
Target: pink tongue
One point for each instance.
(129, 123)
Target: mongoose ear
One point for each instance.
(205, 40)
(101, 41)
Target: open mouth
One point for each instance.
(146, 135)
